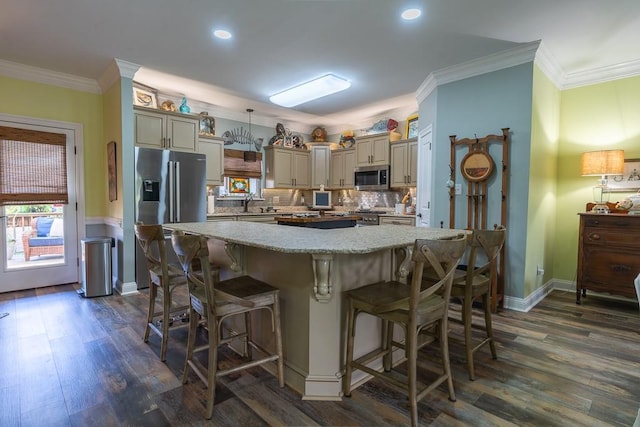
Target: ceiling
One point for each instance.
(281, 43)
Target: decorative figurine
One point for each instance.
(184, 108)
(168, 105)
(319, 134)
(346, 139)
(207, 124)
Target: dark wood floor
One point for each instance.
(65, 360)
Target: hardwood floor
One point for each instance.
(65, 360)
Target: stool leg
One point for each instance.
(166, 311)
(351, 331)
(444, 350)
(487, 325)
(412, 356)
(387, 337)
(153, 293)
(467, 314)
(248, 351)
(213, 365)
(278, 334)
(194, 320)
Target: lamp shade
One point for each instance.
(604, 162)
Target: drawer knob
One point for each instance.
(594, 236)
(621, 268)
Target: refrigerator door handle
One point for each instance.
(177, 188)
(172, 185)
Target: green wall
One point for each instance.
(596, 117)
(541, 227)
(23, 98)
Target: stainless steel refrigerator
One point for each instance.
(170, 186)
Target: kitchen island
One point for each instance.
(312, 268)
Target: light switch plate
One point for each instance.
(458, 188)
(276, 200)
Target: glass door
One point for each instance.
(40, 246)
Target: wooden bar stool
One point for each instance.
(164, 279)
(417, 309)
(214, 301)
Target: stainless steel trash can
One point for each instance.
(96, 267)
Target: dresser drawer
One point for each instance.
(611, 237)
(610, 270)
(615, 223)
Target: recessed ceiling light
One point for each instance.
(314, 89)
(222, 34)
(411, 14)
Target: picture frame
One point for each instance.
(629, 182)
(239, 186)
(144, 96)
(207, 124)
(412, 126)
(112, 170)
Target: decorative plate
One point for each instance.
(476, 166)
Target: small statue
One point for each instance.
(168, 105)
(319, 134)
(184, 108)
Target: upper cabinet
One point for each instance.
(168, 130)
(404, 163)
(343, 162)
(213, 148)
(320, 165)
(287, 168)
(372, 150)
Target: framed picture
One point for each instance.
(144, 96)
(476, 166)
(238, 186)
(112, 171)
(207, 124)
(629, 181)
(412, 126)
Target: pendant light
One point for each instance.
(250, 156)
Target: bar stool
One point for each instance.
(214, 301)
(418, 310)
(164, 278)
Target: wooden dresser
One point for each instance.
(608, 254)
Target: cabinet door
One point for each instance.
(282, 168)
(301, 170)
(412, 163)
(320, 165)
(348, 180)
(214, 150)
(363, 152)
(182, 133)
(149, 129)
(337, 169)
(380, 150)
(399, 174)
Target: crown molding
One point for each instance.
(549, 66)
(602, 74)
(476, 67)
(48, 77)
(116, 70)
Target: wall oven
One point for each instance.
(371, 178)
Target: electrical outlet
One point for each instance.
(276, 200)
(540, 271)
(458, 188)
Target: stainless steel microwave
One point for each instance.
(371, 178)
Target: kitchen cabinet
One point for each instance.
(320, 165)
(343, 162)
(404, 163)
(213, 148)
(287, 168)
(608, 250)
(398, 220)
(372, 150)
(167, 130)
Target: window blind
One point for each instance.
(33, 167)
(235, 166)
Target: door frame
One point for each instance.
(76, 129)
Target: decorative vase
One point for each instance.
(184, 108)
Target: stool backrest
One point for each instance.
(485, 245)
(151, 240)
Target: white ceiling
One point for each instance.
(281, 43)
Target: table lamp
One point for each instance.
(602, 163)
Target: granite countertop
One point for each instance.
(282, 238)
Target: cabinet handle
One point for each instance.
(621, 268)
(168, 142)
(594, 236)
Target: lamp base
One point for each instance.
(600, 208)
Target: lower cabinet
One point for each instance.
(608, 250)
